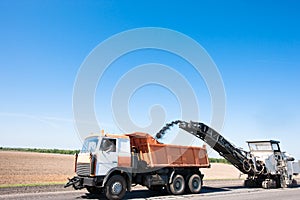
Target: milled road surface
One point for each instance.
(213, 190)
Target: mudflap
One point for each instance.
(76, 182)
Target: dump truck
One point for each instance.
(111, 164)
(265, 164)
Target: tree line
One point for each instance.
(38, 150)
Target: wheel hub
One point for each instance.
(178, 185)
(195, 184)
(116, 188)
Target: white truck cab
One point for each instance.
(103, 165)
(104, 153)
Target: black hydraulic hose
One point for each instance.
(247, 165)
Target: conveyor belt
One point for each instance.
(235, 156)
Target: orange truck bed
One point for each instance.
(156, 154)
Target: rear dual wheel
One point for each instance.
(194, 184)
(177, 186)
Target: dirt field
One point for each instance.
(31, 168)
(221, 171)
(27, 167)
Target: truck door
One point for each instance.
(108, 155)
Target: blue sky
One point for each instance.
(255, 45)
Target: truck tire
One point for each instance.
(177, 186)
(115, 188)
(194, 184)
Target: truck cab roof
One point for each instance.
(264, 141)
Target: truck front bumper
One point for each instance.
(81, 182)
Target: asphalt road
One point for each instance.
(213, 191)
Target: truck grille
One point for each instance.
(83, 169)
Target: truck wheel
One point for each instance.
(93, 190)
(177, 186)
(194, 184)
(115, 188)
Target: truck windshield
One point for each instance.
(261, 146)
(89, 145)
(108, 145)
